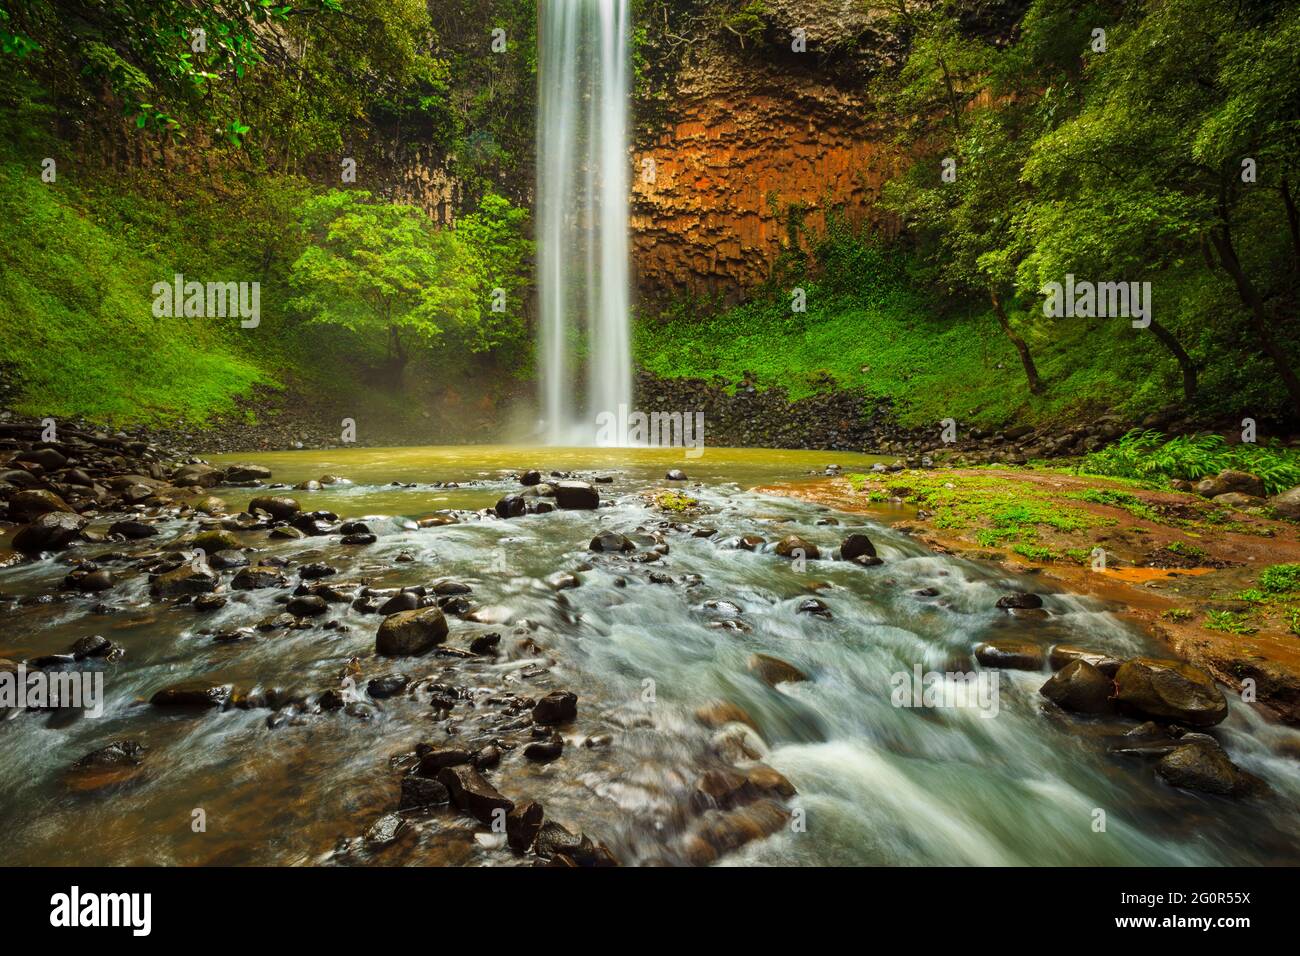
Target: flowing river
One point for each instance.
(645, 644)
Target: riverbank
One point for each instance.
(1193, 573)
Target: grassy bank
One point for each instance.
(874, 323)
(77, 332)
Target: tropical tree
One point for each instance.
(1184, 150)
(382, 271)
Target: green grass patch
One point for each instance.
(1229, 622)
(77, 328)
(1119, 499)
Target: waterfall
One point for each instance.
(582, 203)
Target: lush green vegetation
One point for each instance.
(1280, 578)
(1151, 455)
(1149, 142)
(77, 330)
(350, 282)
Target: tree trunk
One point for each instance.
(1180, 354)
(1222, 240)
(1027, 360)
(397, 355)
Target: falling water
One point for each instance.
(582, 213)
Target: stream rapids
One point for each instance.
(648, 645)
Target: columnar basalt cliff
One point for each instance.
(751, 136)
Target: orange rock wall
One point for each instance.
(705, 224)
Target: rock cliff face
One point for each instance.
(750, 134)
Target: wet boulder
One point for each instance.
(772, 670)
(28, 505)
(280, 507)
(611, 541)
(228, 560)
(94, 645)
(857, 546)
(523, 823)
(410, 633)
(793, 546)
(557, 707)
(385, 830)
(257, 576)
(1226, 482)
(564, 580)
(472, 794)
(52, 531)
(50, 459)
(389, 685)
(675, 474)
(185, 580)
(544, 751)
(1020, 601)
(576, 495)
(420, 792)
(1202, 765)
(485, 644)
(1063, 654)
(120, 753)
(244, 473)
(401, 601)
(433, 759)
(1170, 691)
(563, 848)
(213, 541)
(192, 694)
(132, 529)
(1079, 688)
(205, 476)
(530, 478)
(307, 605)
(511, 506)
(1010, 653)
(814, 606)
(89, 579)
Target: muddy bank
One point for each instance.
(1185, 569)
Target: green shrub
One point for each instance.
(1280, 578)
(1150, 455)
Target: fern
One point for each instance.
(1149, 455)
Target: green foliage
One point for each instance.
(1150, 455)
(1119, 499)
(77, 333)
(871, 327)
(383, 272)
(1229, 622)
(1280, 579)
(280, 78)
(497, 234)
